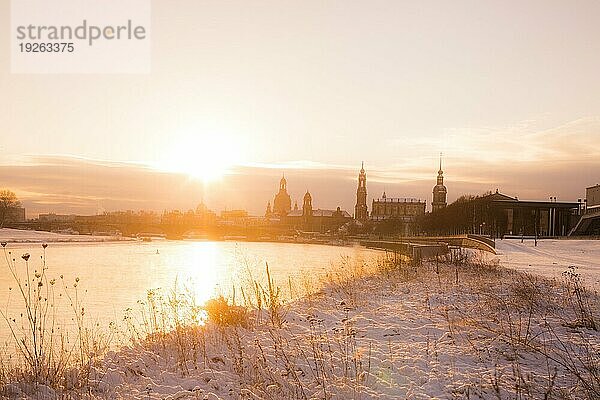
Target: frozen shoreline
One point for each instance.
(549, 258)
(27, 236)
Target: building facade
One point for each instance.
(503, 215)
(406, 209)
(402, 213)
(360, 209)
(316, 220)
(498, 215)
(592, 198)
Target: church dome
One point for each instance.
(282, 204)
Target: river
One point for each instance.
(112, 277)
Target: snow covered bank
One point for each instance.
(473, 330)
(552, 257)
(26, 236)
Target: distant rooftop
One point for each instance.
(319, 213)
(397, 200)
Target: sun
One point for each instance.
(207, 157)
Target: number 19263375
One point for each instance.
(46, 47)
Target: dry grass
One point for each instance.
(527, 319)
(509, 319)
(43, 353)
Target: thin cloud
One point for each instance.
(527, 142)
(529, 160)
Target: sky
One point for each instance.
(240, 92)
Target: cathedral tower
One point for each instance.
(439, 191)
(360, 209)
(307, 211)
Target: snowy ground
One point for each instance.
(440, 331)
(384, 337)
(26, 236)
(552, 257)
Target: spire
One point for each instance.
(360, 209)
(439, 191)
(282, 182)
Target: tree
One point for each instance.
(462, 216)
(8, 203)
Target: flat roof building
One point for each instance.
(592, 197)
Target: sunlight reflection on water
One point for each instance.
(115, 276)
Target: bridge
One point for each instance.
(421, 247)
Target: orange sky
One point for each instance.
(507, 90)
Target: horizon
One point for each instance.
(330, 186)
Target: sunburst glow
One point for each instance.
(206, 156)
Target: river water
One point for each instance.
(112, 277)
